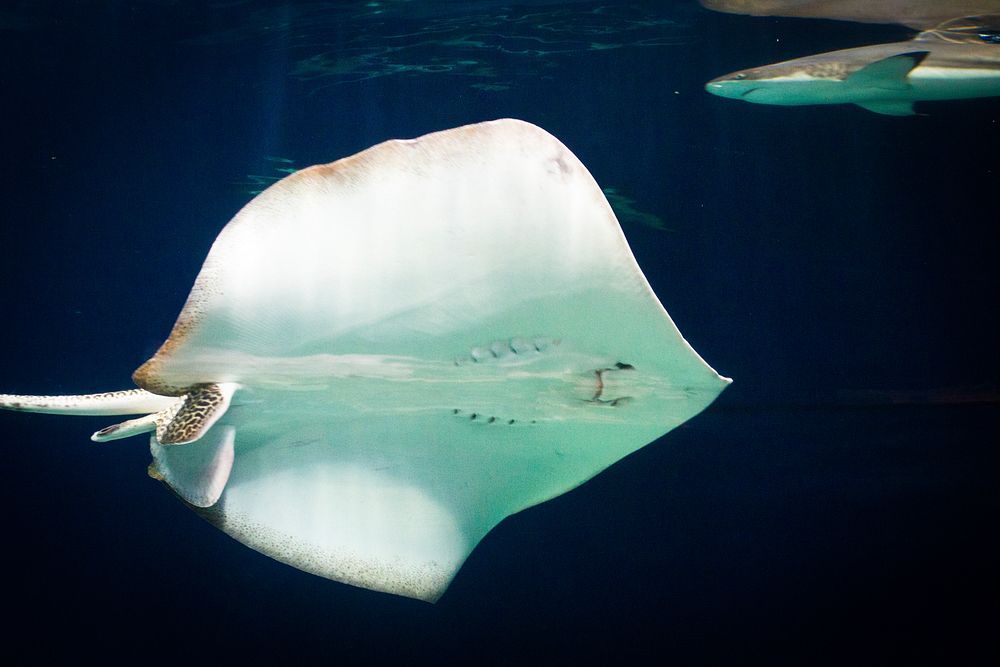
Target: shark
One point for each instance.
(917, 14)
(958, 59)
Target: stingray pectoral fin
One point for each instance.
(199, 471)
(200, 409)
(888, 73)
(322, 507)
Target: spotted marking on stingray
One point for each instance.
(190, 417)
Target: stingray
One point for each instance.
(385, 356)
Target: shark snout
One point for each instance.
(727, 88)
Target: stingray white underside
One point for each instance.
(420, 340)
(386, 476)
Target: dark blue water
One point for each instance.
(838, 501)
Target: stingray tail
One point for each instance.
(128, 402)
(186, 418)
(198, 473)
(177, 420)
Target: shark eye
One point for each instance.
(740, 76)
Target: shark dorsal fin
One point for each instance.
(888, 73)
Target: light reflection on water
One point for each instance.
(488, 44)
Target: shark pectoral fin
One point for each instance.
(889, 107)
(889, 73)
(201, 408)
(198, 472)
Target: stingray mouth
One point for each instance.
(606, 393)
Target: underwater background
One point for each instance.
(837, 502)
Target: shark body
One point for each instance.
(918, 14)
(958, 60)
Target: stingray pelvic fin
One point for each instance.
(197, 473)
